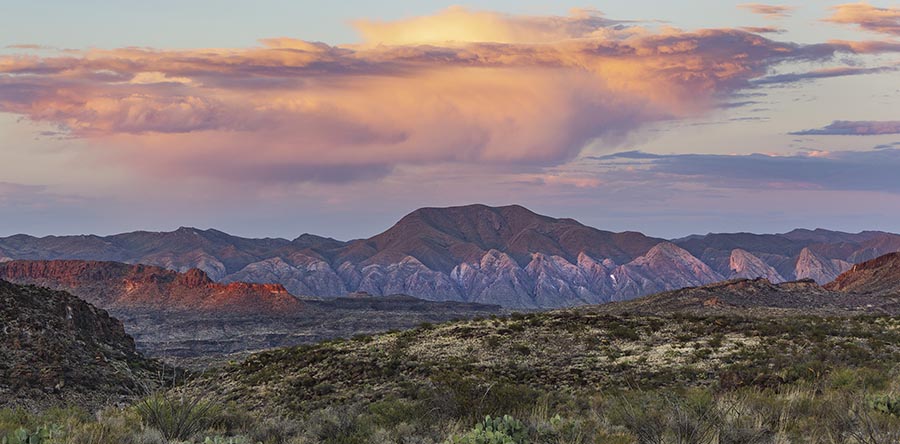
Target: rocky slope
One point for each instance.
(878, 276)
(743, 264)
(57, 349)
(499, 255)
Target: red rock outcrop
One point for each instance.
(119, 286)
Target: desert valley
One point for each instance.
(449, 222)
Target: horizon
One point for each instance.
(272, 119)
(348, 240)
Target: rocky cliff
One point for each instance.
(56, 349)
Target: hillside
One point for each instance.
(58, 349)
(760, 297)
(573, 351)
(731, 333)
(877, 276)
(505, 255)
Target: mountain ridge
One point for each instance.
(477, 253)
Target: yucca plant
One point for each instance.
(177, 417)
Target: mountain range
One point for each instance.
(507, 255)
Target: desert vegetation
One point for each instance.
(577, 376)
(848, 406)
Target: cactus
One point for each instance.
(886, 404)
(505, 430)
(24, 436)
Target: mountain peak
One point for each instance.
(442, 238)
(744, 264)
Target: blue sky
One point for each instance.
(235, 23)
(111, 149)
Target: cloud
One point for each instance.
(853, 128)
(868, 17)
(769, 11)
(823, 73)
(867, 47)
(841, 170)
(763, 29)
(460, 25)
(30, 46)
(459, 87)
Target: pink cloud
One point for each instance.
(868, 17)
(529, 91)
(769, 11)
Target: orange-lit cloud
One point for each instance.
(770, 11)
(868, 17)
(462, 87)
(458, 25)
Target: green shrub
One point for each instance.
(505, 430)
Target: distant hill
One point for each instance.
(187, 315)
(495, 255)
(56, 349)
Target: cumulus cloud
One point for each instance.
(769, 11)
(868, 17)
(874, 170)
(461, 86)
(853, 128)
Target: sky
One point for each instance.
(277, 118)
